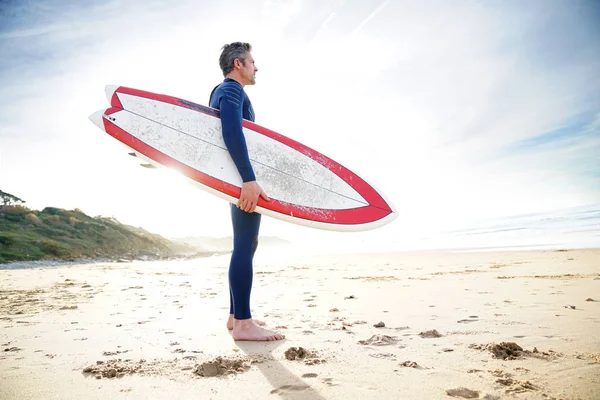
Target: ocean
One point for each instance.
(572, 228)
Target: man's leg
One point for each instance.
(231, 309)
(245, 241)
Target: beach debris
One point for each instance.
(570, 306)
(589, 356)
(310, 375)
(296, 353)
(590, 299)
(499, 373)
(504, 350)
(114, 368)
(380, 324)
(300, 353)
(409, 364)
(379, 340)
(13, 349)
(516, 386)
(221, 366)
(382, 355)
(463, 393)
(349, 297)
(114, 353)
(430, 334)
(334, 309)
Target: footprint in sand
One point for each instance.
(379, 340)
(383, 355)
(463, 393)
(430, 334)
(289, 388)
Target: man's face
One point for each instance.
(248, 70)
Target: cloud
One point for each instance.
(456, 111)
(370, 17)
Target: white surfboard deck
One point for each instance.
(306, 187)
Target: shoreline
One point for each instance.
(15, 265)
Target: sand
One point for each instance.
(427, 325)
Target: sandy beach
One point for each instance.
(428, 325)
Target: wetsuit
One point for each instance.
(229, 97)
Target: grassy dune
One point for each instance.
(54, 233)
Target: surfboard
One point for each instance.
(305, 186)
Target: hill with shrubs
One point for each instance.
(70, 235)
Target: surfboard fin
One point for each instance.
(109, 90)
(97, 118)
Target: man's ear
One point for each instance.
(237, 63)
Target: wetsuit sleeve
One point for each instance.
(231, 120)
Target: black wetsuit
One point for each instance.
(229, 97)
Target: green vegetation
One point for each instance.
(9, 199)
(54, 233)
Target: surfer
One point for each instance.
(238, 68)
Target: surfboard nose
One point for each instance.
(97, 118)
(110, 90)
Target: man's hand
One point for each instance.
(251, 191)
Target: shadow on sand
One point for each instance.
(284, 382)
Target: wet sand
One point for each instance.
(426, 325)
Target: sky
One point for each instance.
(458, 112)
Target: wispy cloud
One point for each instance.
(454, 110)
(370, 17)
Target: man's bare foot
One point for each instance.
(248, 330)
(256, 321)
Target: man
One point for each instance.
(229, 97)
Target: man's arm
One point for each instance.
(233, 136)
(231, 120)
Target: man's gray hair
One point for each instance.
(230, 53)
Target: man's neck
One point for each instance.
(236, 78)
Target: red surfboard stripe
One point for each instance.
(115, 102)
(356, 182)
(112, 110)
(353, 216)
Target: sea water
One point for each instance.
(572, 228)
